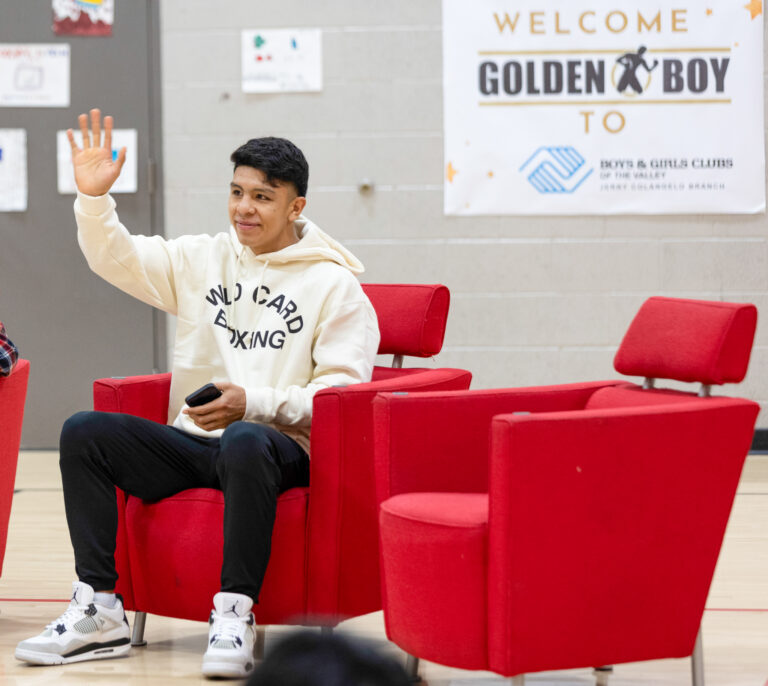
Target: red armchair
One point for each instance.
(324, 562)
(13, 392)
(566, 526)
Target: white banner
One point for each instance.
(653, 108)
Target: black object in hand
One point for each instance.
(203, 395)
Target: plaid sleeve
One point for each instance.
(8, 353)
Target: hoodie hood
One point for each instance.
(314, 245)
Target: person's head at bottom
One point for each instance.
(309, 658)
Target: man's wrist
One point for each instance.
(255, 401)
(95, 205)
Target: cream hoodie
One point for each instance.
(282, 325)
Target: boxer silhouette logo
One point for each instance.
(631, 62)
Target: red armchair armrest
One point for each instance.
(603, 521)
(143, 396)
(343, 575)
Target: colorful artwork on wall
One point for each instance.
(83, 17)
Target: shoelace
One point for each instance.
(229, 628)
(71, 613)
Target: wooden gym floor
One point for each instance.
(38, 571)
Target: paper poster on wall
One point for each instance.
(282, 60)
(13, 170)
(127, 182)
(83, 17)
(34, 75)
(641, 107)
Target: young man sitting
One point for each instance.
(270, 312)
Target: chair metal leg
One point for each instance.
(137, 637)
(602, 674)
(518, 680)
(412, 669)
(697, 662)
(258, 648)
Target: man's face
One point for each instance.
(263, 214)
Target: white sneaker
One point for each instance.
(231, 637)
(86, 631)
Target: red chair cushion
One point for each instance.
(689, 340)
(632, 395)
(176, 554)
(434, 551)
(411, 318)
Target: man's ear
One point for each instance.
(297, 207)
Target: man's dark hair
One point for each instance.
(278, 158)
(311, 659)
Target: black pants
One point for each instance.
(251, 463)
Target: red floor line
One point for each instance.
(34, 600)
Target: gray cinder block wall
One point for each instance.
(534, 300)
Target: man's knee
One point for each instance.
(86, 429)
(245, 446)
(79, 428)
(75, 434)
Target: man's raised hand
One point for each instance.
(95, 170)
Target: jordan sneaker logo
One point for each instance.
(233, 610)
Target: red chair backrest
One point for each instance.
(689, 340)
(412, 317)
